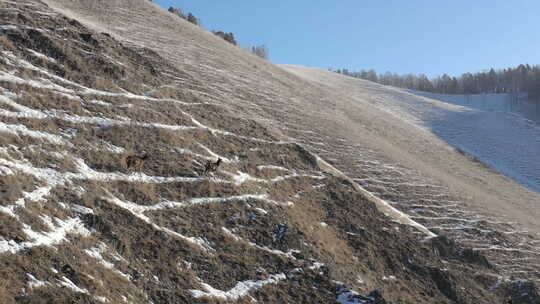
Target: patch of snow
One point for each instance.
(113, 60)
(242, 177)
(9, 211)
(227, 133)
(26, 112)
(47, 84)
(117, 257)
(101, 299)
(99, 102)
(67, 283)
(23, 130)
(138, 211)
(33, 83)
(316, 266)
(82, 90)
(240, 290)
(261, 211)
(56, 236)
(189, 152)
(288, 254)
(214, 155)
(42, 56)
(86, 173)
(381, 204)
(34, 196)
(96, 253)
(35, 283)
(81, 209)
(271, 167)
(13, 28)
(188, 265)
(58, 233)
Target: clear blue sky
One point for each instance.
(403, 36)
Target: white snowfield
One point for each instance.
(484, 126)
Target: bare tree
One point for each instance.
(229, 37)
(191, 18)
(260, 51)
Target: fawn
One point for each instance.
(211, 166)
(135, 162)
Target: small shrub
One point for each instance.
(260, 51)
(229, 37)
(6, 43)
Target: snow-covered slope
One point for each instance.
(455, 179)
(483, 126)
(486, 102)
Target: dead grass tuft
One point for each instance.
(139, 193)
(11, 229)
(41, 125)
(6, 43)
(12, 186)
(50, 159)
(6, 297)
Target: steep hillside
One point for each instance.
(475, 205)
(275, 223)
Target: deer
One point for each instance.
(211, 166)
(135, 162)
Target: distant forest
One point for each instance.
(521, 79)
(260, 51)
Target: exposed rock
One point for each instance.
(521, 292)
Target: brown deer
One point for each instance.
(135, 162)
(211, 166)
